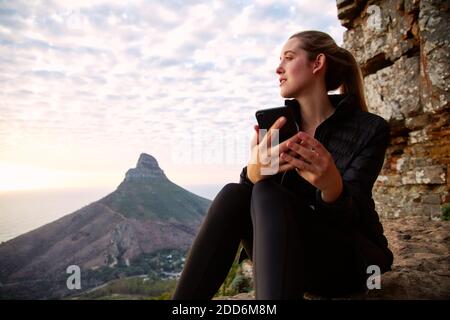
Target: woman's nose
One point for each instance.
(279, 69)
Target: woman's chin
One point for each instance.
(285, 94)
(293, 93)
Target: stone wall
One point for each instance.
(403, 49)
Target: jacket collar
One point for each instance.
(343, 104)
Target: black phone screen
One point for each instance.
(267, 117)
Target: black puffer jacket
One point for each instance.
(357, 141)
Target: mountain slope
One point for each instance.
(146, 213)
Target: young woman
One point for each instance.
(312, 226)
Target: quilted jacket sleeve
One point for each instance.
(358, 179)
(243, 178)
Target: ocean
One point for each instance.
(23, 211)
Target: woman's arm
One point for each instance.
(339, 197)
(358, 178)
(243, 179)
(331, 195)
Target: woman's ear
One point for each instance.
(319, 63)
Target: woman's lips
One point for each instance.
(282, 81)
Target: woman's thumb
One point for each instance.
(256, 127)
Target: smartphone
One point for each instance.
(267, 117)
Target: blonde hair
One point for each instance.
(342, 69)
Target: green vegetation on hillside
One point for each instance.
(162, 264)
(156, 285)
(235, 282)
(159, 199)
(133, 288)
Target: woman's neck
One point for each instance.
(314, 109)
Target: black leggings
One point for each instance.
(291, 249)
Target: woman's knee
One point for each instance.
(266, 190)
(232, 199)
(234, 192)
(266, 197)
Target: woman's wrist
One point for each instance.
(331, 194)
(249, 177)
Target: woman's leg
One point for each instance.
(209, 260)
(295, 249)
(279, 222)
(333, 266)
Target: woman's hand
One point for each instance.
(316, 165)
(265, 159)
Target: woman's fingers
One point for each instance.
(298, 152)
(291, 153)
(286, 167)
(311, 142)
(307, 154)
(299, 163)
(267, 153)
(254, 146)
(276, 125)
(283, 145)
(254, 141)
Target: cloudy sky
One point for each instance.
(86, 86)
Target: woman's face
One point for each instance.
(294, 70)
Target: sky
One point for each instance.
(87, 86)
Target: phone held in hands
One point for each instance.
(267, 117)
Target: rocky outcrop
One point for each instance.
(403, 47)
(147, 167)
(421, 267)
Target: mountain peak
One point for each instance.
(147, 167)
(146, 161)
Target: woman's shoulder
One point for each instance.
(371, 122)
(354, 116)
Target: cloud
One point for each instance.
(108, 79)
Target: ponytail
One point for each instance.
(352, 82)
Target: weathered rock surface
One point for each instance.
(147, 167)
(403, 48)
(421, 267)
